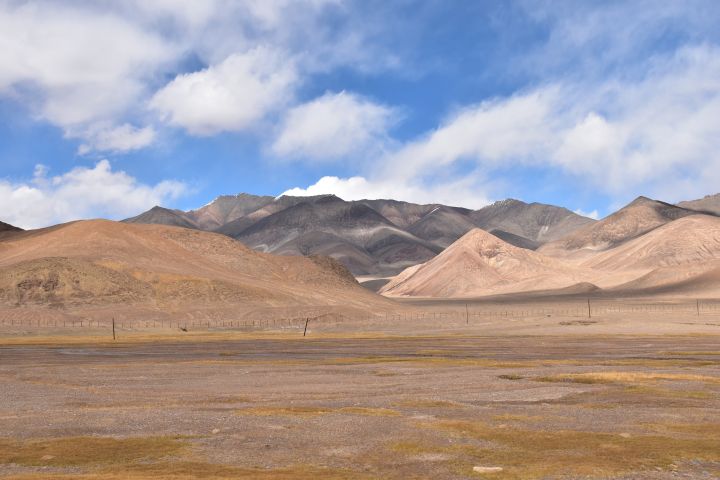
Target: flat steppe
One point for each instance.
(508, 389)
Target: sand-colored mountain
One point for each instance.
(681, 257)
(101, 262)
(637, 218)
(479, 264)
(709, 204)
(669, 259)
(690, 240)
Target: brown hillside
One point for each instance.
(104, 262)
(480, 264)
(637, 218)
(690, 240)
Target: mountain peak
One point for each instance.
(642, 200)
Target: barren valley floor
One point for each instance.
(625, 397)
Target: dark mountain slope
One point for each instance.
(534, 221)
(353, 228)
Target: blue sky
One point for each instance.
(109, 108)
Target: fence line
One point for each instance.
(467, 313)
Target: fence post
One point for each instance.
(697, 306)
(589, 314)
(306, 323)
(467, 315)
(113, 323)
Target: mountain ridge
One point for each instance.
(404, 233)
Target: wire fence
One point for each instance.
(460, 313)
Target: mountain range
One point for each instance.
(373, 238)
(220, 258)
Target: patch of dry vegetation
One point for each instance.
(692, 353)
(430, 361)
(626, 377)
(662, 393)
(202, 470)
(514, 417)
(308, 411)
(420, 403)
(139, 458)
(526, 454)
(88, 451)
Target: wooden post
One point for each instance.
(697, 306)
(306, 323)
(113, 323)
(467, 315)
(589, 314)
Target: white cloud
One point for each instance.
(74, 66)
(80, 193)
(332, 126)
(460, 191)
(230, 96)
(491, 133)
(594, 214)
(123, 138)
(83, 65)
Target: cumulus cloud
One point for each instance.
(231, 96)
(332, 126)
(123, 138)
(491, 132)
(75, 66)
(80, 193)
(82, 65)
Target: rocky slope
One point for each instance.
(538, 222)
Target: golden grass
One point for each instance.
(658, 393)
(528, 454)
(514, 417)
(88, 451)
(192, 470)
(431, 361)
(175, 336)
(626, 377)
(427, 404)
(202, 470)
(412, 448)
(139, 458)
(687, 352)
(308, 411)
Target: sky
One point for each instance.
(108, 107)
